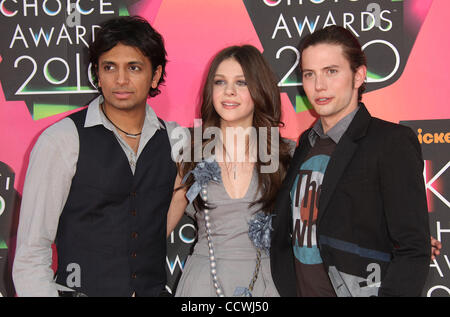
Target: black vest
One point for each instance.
(111, 238)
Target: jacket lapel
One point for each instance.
(299, 156)
(339, 160)
(341, 157)
(282, 204)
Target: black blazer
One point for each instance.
(372, 197)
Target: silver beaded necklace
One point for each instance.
(212, 257)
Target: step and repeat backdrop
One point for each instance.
(44, 77)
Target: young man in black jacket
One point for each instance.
(351, 216)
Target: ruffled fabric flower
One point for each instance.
(205, 171)
(259, 230)
(242, 292)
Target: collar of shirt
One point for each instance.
(95, 116)
(335, 133)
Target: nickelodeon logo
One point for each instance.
(435, 137)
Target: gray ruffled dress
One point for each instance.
(235, 253)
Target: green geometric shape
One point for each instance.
(123, 12)
(373, 75)
(71, 88)
(41, 111)
(302, 104)
(65, 88)
(3, 245)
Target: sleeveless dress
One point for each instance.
(235, 253)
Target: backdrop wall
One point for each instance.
(44, 77)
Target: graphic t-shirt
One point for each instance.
(312, 279)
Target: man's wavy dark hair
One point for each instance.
(338, 35)
(133, 31)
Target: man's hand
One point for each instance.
(436, 246)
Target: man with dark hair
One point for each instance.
(351, 217)
(99, 182)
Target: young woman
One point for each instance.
(240, 94)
